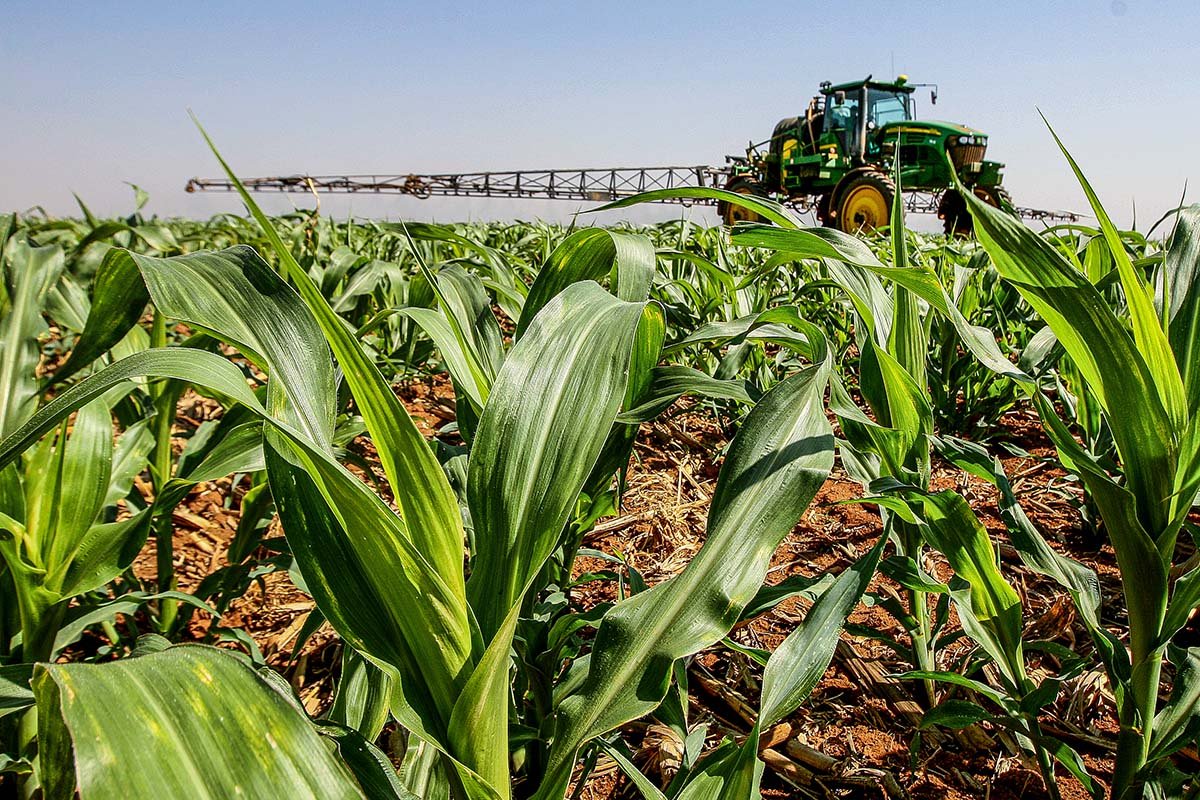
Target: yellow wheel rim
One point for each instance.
(735, 214)
(864, 208)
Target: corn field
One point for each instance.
(663, 512)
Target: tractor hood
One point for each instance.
(933, 126)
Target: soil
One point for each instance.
(856, 736)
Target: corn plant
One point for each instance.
(989, 611)
(966, 397)
(1143, 375)
(892, 336)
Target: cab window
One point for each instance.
(842, 117)
(887, 107)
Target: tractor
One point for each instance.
(838, 160)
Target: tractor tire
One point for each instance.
(732, 214)
(823, 211)
(957, 220)
(952, 211)
(865, 202)
(996, 196)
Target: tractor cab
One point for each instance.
(853, 112)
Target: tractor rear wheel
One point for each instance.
(865, 203)
(731, 213)
(957, 220)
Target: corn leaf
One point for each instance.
(590, 255)
(1098, 345)
(29, 274)
(423, 493)
(551, 410)
(1148, 334)
(775, 465)
(249, 741)
(768, 209)
(119, 298)
(799, 663)
(1181, 272)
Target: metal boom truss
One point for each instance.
(588, 185)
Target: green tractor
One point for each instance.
(838, 158)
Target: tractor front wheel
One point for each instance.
(865, 203)
(824, 211)
(957, 220)
(732, 213)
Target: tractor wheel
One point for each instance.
(996, 196)
(865, 203)
(730, 213)
(957, 220)
(823, 211)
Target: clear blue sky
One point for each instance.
(95, 94)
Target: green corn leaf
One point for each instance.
(130, 456)
(370, 766)
(466, 302)
(905, 571)
(955, 714)
(31, 271)
(1148, 334)
(1181, 272)
(618, 446)
(240, 450)
(869, 299)
(777, 325)
(1098, 345)
(669, 383)
(1185, 597)
(956, 679)
(767, 209)
(362, 695)
(636, 776)
(479, 722)
(799, 663)
(1143, 568)
(183, 364)
(80, 618)
(104, 551)
(15, 694)
(775, 465)
(369, 581)
(235, 295)
(1080, 581)
(84, 462)
(908, 340)
(550, 413)
(590, 255)
(733, 774)
(249, 741)
(992, 605)
(119, 298)
(457, 360)
(1065, 755)
(423, 493)
(1178, 723)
